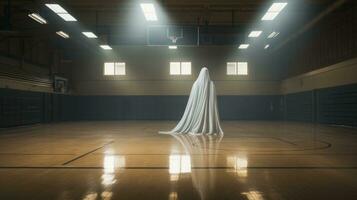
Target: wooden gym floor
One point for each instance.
(255, 160)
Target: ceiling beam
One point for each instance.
(312, 23)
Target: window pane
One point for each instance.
(231, 68)
(186, 68)
(108, 68)
(242, 68)
(119, 68)
(174, 68)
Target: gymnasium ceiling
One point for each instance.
(113, 18)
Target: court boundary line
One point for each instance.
(193, 168)
(85, 154)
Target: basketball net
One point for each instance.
(173, 39)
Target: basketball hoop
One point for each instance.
(174, 36)
(173, 39)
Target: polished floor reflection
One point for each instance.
(130, 160)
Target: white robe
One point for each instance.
(201, 114)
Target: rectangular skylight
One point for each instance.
(255, 34)
(62, 34)
(106, 47)
(149, 11)
(56, 8)
(270, 16)
(172, 47)
(61, 12)
(37, 18)
(274, 11)
(67, 17)
(243, 46)
(89, 34)
(277, 7)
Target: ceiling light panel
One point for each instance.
(62, 34)
(243, 46)
(273, 34)
(89, 34)
(106, 47)
(37, 18)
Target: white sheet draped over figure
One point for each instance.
(201, 114)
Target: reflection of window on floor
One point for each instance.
(179, 164)
(114, 69)
(238, 165)
(106, 195)
(173, 196)
(180, 68)
(253, 195)
(237, 68)
(91, 196)
(111, 164)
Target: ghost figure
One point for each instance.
(201, 114)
